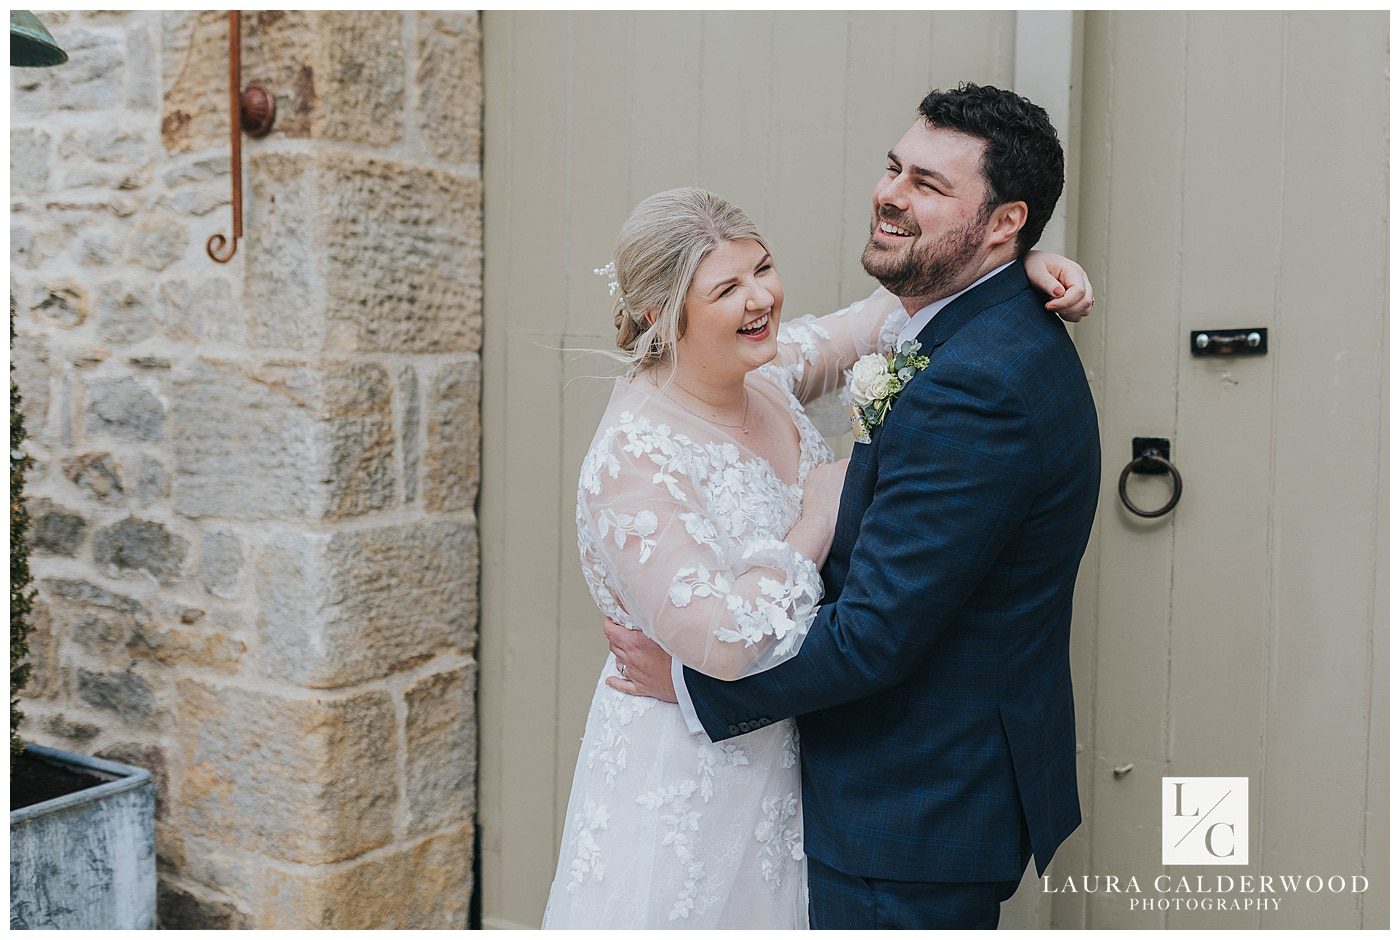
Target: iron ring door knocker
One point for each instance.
(1150, 456)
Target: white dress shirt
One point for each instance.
(911, 330)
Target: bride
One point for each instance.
(706, 507)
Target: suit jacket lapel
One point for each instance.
(960, 312)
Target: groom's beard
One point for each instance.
(935, 270)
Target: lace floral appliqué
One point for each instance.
(781, 842)
(680, 823)
(588, 856)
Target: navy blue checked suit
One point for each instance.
(932, 693)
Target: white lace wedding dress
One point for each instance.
(681, 528)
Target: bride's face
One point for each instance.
(732, 310)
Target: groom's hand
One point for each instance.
(644, 666)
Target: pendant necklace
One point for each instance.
(743, 425)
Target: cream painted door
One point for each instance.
(1234, 175)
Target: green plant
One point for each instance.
(21, 596)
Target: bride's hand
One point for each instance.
(1072, 296)
(644, 668)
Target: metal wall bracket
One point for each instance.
(1151, 447)
(1248, 341)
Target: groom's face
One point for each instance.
(929, 223)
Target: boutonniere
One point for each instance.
(876, 381)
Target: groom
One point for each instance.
(933, 689)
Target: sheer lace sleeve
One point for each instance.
(660, 553)
(814, 353)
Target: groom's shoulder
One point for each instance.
(1014, 333)
(1011, 352)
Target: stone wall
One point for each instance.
(254, 494)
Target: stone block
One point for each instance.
(96, 619)
(73, 732)
(54, 530)
(159, 241)
(408, 283)
(440, 734)
(63, 304)
(127, 408)
(235, 866)
(136, 546)
(180, 909)
(31, 373)
(45, 678)
(285, 303)
(152, 481)
(336, 609)
(188, 202)
(109, 143)
(29, 162)
(92, 242)
(305, 779)
(360, 77)
(176, 648)
(425, 886)
(122, 693)
(449, 84)
(221, 564)
(337, 75)
(148, 757)
(282, 440)
(97, 474)
(125, 313)
(201, 170)
(452, 445)
(91, 79)
(142, 77)
(202, 310)
(110, 156)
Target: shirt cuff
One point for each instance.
(692, 720)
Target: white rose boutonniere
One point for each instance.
(869, 377)
(876, 380)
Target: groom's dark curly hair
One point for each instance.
(1023, 160)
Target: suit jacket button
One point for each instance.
(764, 722)
(733, 729)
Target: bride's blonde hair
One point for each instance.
(661, 244)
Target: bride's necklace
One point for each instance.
(743, 424)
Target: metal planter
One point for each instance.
(86, 860)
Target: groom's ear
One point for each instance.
(1007, 220)
(651, 313)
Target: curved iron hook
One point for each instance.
(214, 248)
(216, 243)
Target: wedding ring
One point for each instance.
(622, 670)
